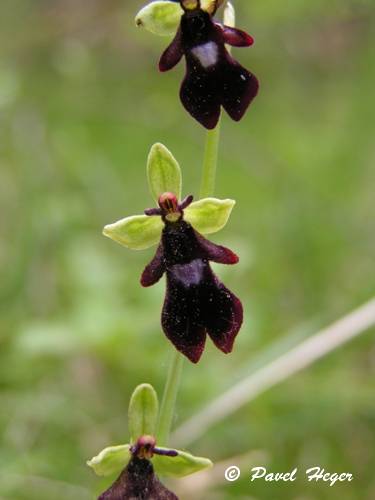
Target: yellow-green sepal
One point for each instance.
(160, 17)
(143, 412)
(209, 215)
(181, 465)
(111, 460)
(163, 172)
(136, 232)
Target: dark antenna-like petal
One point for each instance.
(235, 37)
(216, 253)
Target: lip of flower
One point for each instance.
(213, 78)
(196, 302)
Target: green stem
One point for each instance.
(169, 398)
(210, 162)
(207, 189)
(175, 368)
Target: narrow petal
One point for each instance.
(216, 253)
(239, 88)
(155, 269)
(223, 315)
(172, 54)
(236, 37)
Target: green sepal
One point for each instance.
(143, 412)
(209, 215)
(110, 460)
(181, 465)
(163, 172)
(137, 232)
(160, 17)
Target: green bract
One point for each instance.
(163, 172)
(182, 465)
(143, 412)
(137, 232)
(161, 18)
(209, 215)
(110, 460)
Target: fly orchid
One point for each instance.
(197, 303)
(213, 79)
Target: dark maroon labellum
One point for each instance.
(213, 78)
(196, 302)
(138, 481)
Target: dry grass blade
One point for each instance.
(295, 360)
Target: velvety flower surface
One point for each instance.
(213, 77)
(196, 302)
(138, 480)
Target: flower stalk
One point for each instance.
(168, 404)
(208, 182)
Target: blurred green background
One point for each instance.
(81, 102)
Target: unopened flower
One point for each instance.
(197, 303)
(213, 77)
